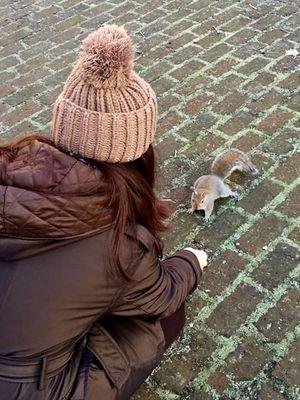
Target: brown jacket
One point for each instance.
(58, 295)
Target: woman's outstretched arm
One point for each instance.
(159, 288)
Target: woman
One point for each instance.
(86, 307)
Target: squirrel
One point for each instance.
(209, 188)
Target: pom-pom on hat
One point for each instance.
(107, 57)
(106, 111)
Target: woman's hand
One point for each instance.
(201, 256)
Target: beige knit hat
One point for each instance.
(106, 111)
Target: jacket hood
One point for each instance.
(48, 195)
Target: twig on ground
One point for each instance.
(217, 30)
(252, 6)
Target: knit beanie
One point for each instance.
(105, 112)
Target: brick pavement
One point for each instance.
(223, 78)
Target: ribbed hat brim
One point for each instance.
(110, 137)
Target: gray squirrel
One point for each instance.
(209, 188)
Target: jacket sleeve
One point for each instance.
(159, 288)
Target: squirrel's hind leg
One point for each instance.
(225, 191)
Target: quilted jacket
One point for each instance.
(71, 328)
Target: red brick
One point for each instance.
(178, 27)
(293, 102)
(25, 94)
(187, 69)
(265, 192)
(277, 265)
(247, 360)
(204, 27)
(227, 84)
(276, 50)
(183, 225)
(247, 142)
(194, 106)
(254, 65)
(288, 63)
(20, 113)
(262, 161)
(167, 147)
(181, 41)
(237, 123)
(227, 14)
(204, 146)
(287, 10)
(242, 36)
(284, 143)
(9, 62)
(222, 67)
(193, 84)
(156, 71)
(261, 233)
(162, 85)
(295, 235)
(201, 346)
(288, 169)
(287, 369)
(6, 90)
(218, 381)
(265, 78)
(274, 121)
(222, 271)
(193, 305)
(270, 36)
(199, 394)
(291, 205)
(233, 311)
(215, 52)
(236, 24)
(200, 124)
(265, 102)
(169, 121)
(280, 319)
(184, 54)
(167, 102)
(145, 392)
(212, 236)
(269, 393)
(247, 49)
(266, 21)
(230, 103)
(210, 39)
(23, 128)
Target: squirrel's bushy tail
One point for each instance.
(231, 160)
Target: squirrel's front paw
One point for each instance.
(190, 211)
(234, 195)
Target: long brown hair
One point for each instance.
(131, 196)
